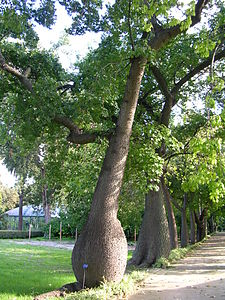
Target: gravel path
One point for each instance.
(201, 275)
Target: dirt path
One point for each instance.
(54, 244)
(201, 275)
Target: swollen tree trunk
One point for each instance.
(184, 226)
(20, 225)
(192, 227)
(102, 244)
(153, 240)
(171, 218)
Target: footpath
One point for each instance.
(201, 275)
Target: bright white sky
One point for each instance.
(5, 177)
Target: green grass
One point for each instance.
(174, 256)
(26, 271)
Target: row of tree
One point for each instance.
(153, 88)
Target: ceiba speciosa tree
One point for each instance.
(145, 27)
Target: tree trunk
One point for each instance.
(171, 218)
(201, 225)
(20, 225)
(153, 240)
(192, 228)
(184, 227)
(211, 227)
(102, 244)
(46, 205)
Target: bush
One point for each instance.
(17, 234)
(55, 228)
(68, 226)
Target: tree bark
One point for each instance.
(153, 240)
(20, 225)
(171, 218)
(46, 205)
(201, 222)
(102, 244)
(184, 226)
(192, 228)
(211, 224)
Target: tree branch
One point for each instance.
(129, 26)
(68, 123)
(23, 78)
(76, 136)
(198, 10)
(163, 36)
(175, 203)
(161, 81)
(195, 71)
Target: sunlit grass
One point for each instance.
(26, 271)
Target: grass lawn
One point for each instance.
(26, 271)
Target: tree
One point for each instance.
(9, 198)
(171, 83)
(101, 244)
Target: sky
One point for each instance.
(6, 177)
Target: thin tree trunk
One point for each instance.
(153, 240)
(102, 244)
(46, 205)
(201, 222)
(171, 218)
(192, 227)
(211, 227)
(184, 227)
(20, 225)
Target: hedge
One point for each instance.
(17, 234)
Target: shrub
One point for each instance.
(68, 226)
(17, 234)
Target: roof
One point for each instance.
(31, 211)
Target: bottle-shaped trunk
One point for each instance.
(184, 226)
(171, 218)
(153, 240)
(102, 246)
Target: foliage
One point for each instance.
(9, 198)
(175, 254)
(18, 234)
